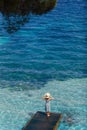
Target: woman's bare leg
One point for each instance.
(48, 114)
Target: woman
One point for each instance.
(47, 97)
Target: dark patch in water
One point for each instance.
(16, 12)
(69, 118)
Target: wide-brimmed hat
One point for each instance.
(47, 95)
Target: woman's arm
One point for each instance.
(51, 98)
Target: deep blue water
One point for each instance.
(47, 53)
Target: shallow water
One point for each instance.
(46, 54)
(16, 107)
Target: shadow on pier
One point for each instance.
(16, 12)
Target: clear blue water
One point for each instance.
(47, 54)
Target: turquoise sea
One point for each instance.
(47, 53)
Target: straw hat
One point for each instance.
(47, 95)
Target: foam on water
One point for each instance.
(16, 107)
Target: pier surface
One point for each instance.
(40, 121)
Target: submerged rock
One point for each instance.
(42, 6)
(16, 12)
(26, 6)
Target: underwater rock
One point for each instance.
(26, 6)
(69, 119)
(16, 12)
(42, 6)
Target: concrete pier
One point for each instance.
(40, 121)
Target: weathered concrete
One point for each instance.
(40, 121)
